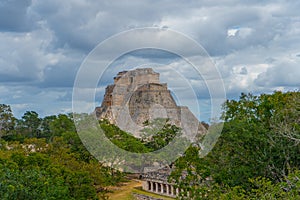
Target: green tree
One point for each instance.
(63, 123)
(250, 126)
(122, 139)
(46, 126)
(159, 133)
(286, 121)
(7, 120)
(33, 176)
(30, 124)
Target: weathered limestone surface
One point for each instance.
(137, 96)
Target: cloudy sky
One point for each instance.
(254, 44)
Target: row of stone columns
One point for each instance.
(162, 188)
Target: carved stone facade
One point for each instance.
(157, 182)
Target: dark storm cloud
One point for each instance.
(13, 15)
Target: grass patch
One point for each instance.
(123, 192)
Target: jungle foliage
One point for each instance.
(257, 155)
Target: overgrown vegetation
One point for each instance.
(155, 135)
(256, 157)
(43, 158)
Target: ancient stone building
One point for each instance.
(157, 182)
(137, 96)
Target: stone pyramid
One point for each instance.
(137, 96)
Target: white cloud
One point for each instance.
(283, 74)
(232, 32)
(24, 55)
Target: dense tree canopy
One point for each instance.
(44, 158)
(257, 152)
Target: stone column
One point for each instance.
(156, 187)
(172, 190)
(167, 187)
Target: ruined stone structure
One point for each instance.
(157, 182)
(137, 96)
(125, 83)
